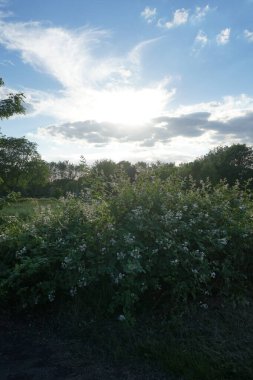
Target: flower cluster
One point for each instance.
(150, 238)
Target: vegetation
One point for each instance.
(173, 256)
(154, 243)
(22, 170)
(12, 104)
(164, 249)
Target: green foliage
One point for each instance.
(13, 104)
(233, 163)
(151, 244)
(21, 167)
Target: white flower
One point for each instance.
(67, 260)
(73, 291)
(51, 296)
(82, 282)
(120, 255)
(135, 253)
(223, 241)
(179, 215)
(3, 237)
(129, 238)
(119, 278)
(213, 274)
(82, 247)
(121, 318)
(20, 253)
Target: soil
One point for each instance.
(29, 351)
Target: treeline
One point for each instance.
(22, 170)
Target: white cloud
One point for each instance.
(180, 17)
(248, 35)
(227, 108)
(4, 13)
(7, 62)
(201, 39)
(230, 118)
(93, 87)
(102, 111)
(223, 37)
(42, 47)
(179, 135)
(135, 55)
(149, 14)
(200, 14)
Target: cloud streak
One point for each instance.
(104, 88)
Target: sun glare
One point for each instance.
(121, 106)
(130, 106)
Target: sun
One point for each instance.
(127, 105)
(130, 106)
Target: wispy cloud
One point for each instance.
(201, 39)
(223, 37)
(149, 14)
(180, 17)
(200, 14)
(92, 87)
(135, 55)
(248, 35)
(6, 62)
(3, 3)
(4, 13)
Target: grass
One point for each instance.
(25, 208)
(204, 345)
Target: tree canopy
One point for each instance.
(21, 166)
(231, 163)
(12, 104)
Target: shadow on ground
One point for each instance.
(30, 352)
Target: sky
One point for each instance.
(132, 80)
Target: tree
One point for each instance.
(13, 104)
(232, 163)
(21, 166)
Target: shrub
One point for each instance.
(152, 244)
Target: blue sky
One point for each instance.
(129, 79)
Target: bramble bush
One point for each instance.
(152, 244)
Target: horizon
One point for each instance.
(171, 87)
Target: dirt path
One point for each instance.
(28, 352)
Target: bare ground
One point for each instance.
(30, 351)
